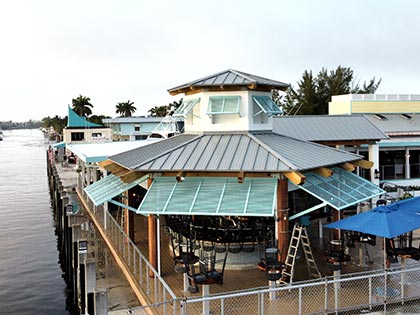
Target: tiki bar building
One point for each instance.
(217, 195)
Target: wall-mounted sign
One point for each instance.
(69, 209)
(83, 246)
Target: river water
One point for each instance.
(31, 280)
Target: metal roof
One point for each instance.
(232, 152)
(328, 128)
(210, 196)
(131, 120)
(304, 155)
(74, 120)
(229, 77)
(396, 124)
(97, 152)
(131, 159)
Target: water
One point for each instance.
(31, 280)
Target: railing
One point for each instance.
(381, 291)
(354, 293)
(153, 286)
(394, 172)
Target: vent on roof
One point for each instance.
(406, 116)
(380, 117)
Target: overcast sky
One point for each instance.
(113, 51)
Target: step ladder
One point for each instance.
(299, 235)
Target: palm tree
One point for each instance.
(159, 111)
(82, 106)
(125, 109)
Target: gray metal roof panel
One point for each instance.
(133, 119)
(396, 123)
(216, 152)
(328, 127)
(303, 155)
(238, 152)
(132, 158)
(231, 77)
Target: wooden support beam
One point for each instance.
(296, 178)
(121, 172)
(115, 168)
(323, 171)
(363, 164)
(241, 177)
(216, 174)
(131, 176)
(105, 163)
(282, 217)
(347, 166)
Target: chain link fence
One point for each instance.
(380, 292)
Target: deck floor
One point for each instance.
(251, 278)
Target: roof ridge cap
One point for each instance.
(197, 136)
(242, 74)
(269, 149)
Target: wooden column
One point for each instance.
(152, 224)
(126, 226)
(282, 219)
(336, 217)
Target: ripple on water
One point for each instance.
(31, 280)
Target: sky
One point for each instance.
(114, 51)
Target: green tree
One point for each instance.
(314, 92)
(172, 107)
(82, 106)
(125, 109)
(162, 111)
(159, 111)
(97, 119)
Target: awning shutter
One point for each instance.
(109, 187)
(342, 189)
(211, 196)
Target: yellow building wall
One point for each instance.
(339, 107)
(384, 107)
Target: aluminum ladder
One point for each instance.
(299, 235)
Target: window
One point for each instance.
(186, 107)
(96, 135)
(77, 136)
(137, 128)
(223, 105)
(266, 105)
(140, 137)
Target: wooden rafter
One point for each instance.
(131, 176)
(348, 166)
(296, 178)
(113, 167)
(105, 163)
(215, 174)
(241, 177)
(323, 171)
(121, 172)
(363, 164)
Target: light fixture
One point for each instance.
(377, 174)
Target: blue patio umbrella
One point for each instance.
(387, 221)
